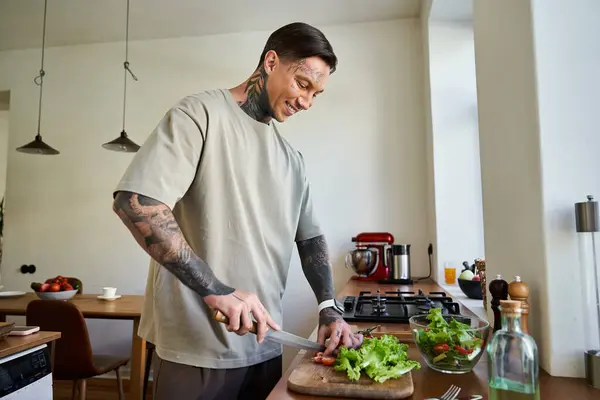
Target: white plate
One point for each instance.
(11, 294)
(109, 298)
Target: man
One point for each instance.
(217, 198)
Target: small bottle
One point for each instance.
(513, 364)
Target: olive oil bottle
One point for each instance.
(513, 364)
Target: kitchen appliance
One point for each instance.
(399, 263)
(282, 337)
(395, 306)
(371, 258)
(26, 375)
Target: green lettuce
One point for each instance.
(448, 344)
(380, 359)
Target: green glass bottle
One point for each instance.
(513, 364)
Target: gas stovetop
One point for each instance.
(395, 306)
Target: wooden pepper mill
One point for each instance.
(499, 291)
(519, 290)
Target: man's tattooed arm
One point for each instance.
(154, 227)
(314, 258)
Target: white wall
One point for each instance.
(426, 8)
(363, 142)
(568, 82)
(538, 94)
(4, 113)
(458, 204)
(510, 159)
(3, 149)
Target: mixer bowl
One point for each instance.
(362, 261)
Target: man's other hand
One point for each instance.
(333, 327)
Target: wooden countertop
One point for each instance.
(15, 344)
(429, 383)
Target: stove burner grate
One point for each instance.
(396, 306)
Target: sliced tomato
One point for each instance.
(318, 357)
(441, 348)
(462, 350)
(326, 360)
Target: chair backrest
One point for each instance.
(73, 357)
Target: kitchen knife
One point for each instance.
(282, 337)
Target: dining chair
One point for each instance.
(74, 359)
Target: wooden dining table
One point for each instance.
(127, 307)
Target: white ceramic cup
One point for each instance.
(109, 292)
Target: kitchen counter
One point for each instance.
(429, 383)
(14, 344)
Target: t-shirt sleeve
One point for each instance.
(308, 224)
(165, 166)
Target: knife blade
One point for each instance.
(282, 337)
(289, 339)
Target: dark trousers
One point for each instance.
(172, 381)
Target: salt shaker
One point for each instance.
(499, 291)
(519, 290)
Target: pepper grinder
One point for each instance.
(519, 290)
(499, 291)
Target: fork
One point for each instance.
(451, 393)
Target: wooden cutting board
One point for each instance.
(319, 380)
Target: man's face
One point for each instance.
(293, 86)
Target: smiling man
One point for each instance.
(218, 198)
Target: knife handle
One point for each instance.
(220, 317)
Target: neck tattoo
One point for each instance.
(257, 104)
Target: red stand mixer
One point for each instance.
(370, 260)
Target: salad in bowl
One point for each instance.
(451, 344)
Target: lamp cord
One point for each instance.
(126, 66)
(39, 80)
(429, 252)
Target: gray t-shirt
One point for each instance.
(241, 197)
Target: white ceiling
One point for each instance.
(71, 22)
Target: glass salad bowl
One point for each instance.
(452, 344)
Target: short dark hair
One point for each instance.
(297, 41)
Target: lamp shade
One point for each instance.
(37, 146)
(586, 215)
(122, 144)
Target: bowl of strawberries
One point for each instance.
(58, 288)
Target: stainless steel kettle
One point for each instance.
(399, 260)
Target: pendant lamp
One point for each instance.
(38, 146)
(123, 143)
